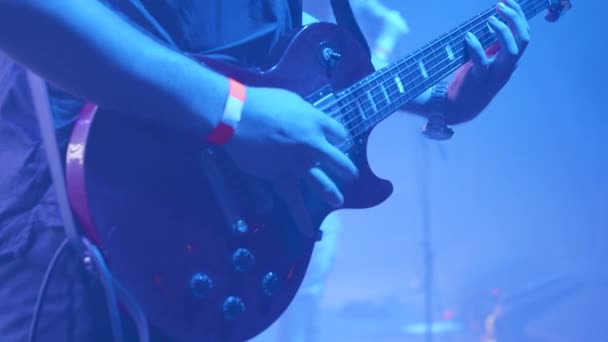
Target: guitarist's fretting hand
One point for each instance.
(477, 83)
(281, 138)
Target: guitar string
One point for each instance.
(396, 65)
(525, 7)
(412, 81)
(358, 98)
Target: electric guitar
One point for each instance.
(210, 253)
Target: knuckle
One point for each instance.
(340, 130)
(328, 188)
(325, 121)
(510, 12)
(484, 63)
(309, 151)
(318, 148)
(514, 3)
(502, 28)
(325, 184)
(476, 45)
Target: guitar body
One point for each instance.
(210, 253)
(213, 254)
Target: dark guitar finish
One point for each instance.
(165, 209)
(210, 253)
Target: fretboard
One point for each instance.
(374, 98)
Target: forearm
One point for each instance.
(91, 52)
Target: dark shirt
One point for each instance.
(239, 30)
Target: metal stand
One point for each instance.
(427, 249)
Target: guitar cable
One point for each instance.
(109, 284)
(42, 289)
(92, 258)
(106, 279)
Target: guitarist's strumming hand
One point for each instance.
(283, 139)
(477, 82)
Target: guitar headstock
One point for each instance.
(556, 7)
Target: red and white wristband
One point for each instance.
(232, 114)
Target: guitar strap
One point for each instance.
(346, 18)
(40, 102)
(89, 253)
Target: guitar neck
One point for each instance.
(374, 98)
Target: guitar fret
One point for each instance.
(372, 99)
(399, 84)
(425, 74)
(388, 100)
(378, 98)
(360, 110)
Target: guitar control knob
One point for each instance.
(200, 285)
(233, 308)
(271, 284)
(243, 260)
(240, 227)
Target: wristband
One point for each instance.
(232, 114)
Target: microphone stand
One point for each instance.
(427, 248)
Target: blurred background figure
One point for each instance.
(383, 27)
